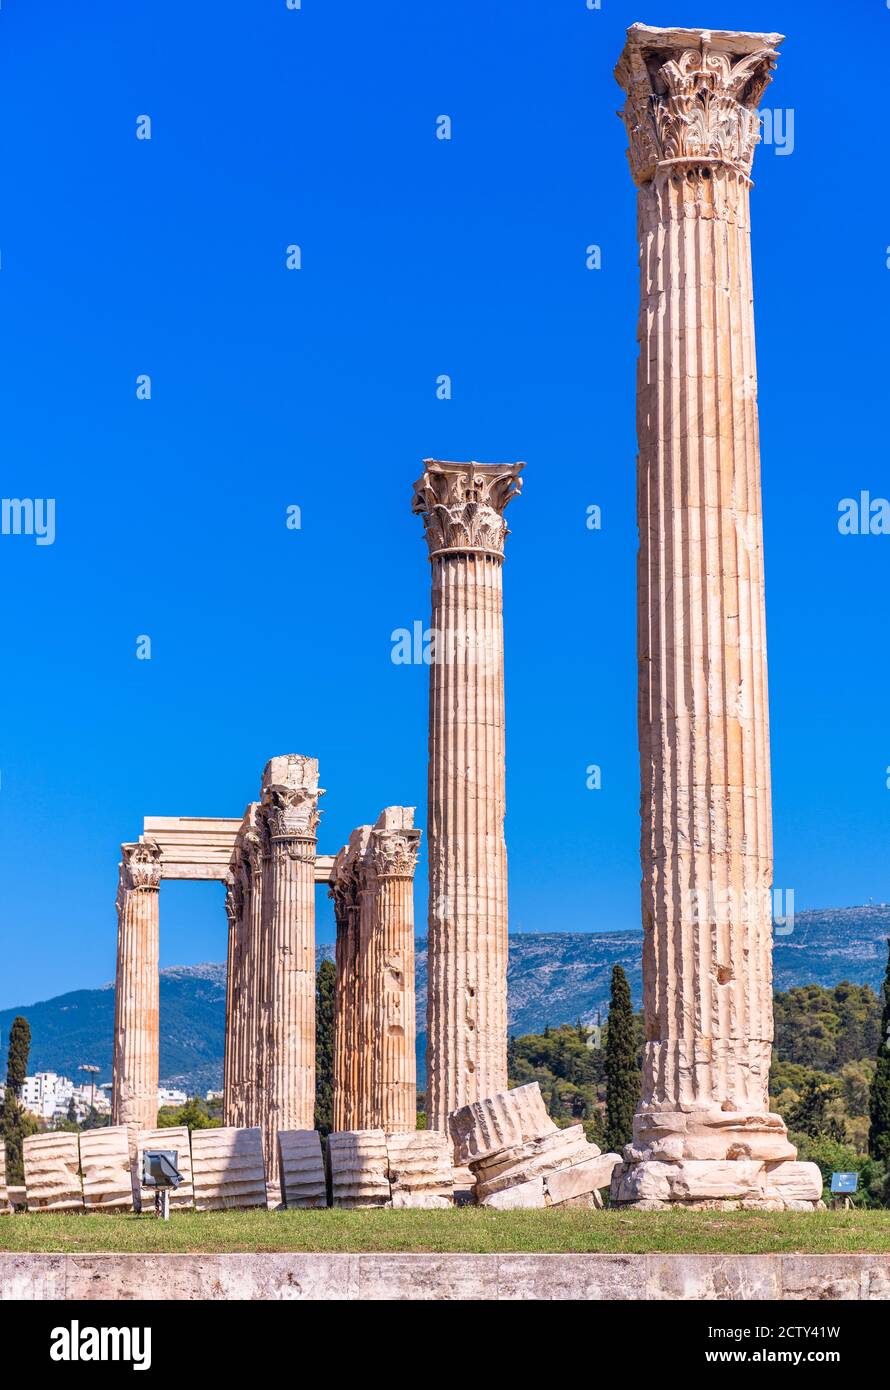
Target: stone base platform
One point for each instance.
(317, 1277)
(717, 1185)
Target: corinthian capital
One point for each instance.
(692, 96)
(290, 797)
(462, 505)
(141, 867)
(393, 844)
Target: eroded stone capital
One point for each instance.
(393, 853)
(141, 866)
(462, 505)
(290, 797)
(692, 96)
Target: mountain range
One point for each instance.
(554, 977)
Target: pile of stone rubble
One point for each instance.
(520, 1158)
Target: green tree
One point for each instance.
(622, 1073)
(879, 1098)
(325, 983)
(16, 1124)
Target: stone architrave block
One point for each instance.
(301, 1168)
(228, 1171)
(105, 1164)
(420, 1169)
(177, 1140)
(52, 1172)
(359, 1168)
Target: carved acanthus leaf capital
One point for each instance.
(393, 853)
(141, 867)
(692, 95)
(462, 505)
(290, 797)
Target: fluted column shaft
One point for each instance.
(345, 1056)
(289, 813)
(462, 506)
(290, 1080)
(467, 949)
(706, 841)
(394, 1008)
(366, 971)
(136, 1045)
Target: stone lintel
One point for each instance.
(200, 847)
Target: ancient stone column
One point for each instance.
(290, 811)
(237, 900)
(253, 1094)
(706, 847)
(367, 1055)
(135, 1070)
(392, 850)
(462, 507)
(344, 892)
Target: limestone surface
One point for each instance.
(105, 1165)
(175, 1139)
(52, 1172)
(703, 719)
(519, 1157)
(301, 1168)
(228, 1169)
(420, 1168)
(359, 1168)
(462, 506)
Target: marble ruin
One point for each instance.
(520, 1158)
(370, 1168)
(372, 885)
(462, 506)
(706, 846)
(703, 1131)
(52, 1172)
(301, 1168)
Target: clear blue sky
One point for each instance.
(317, 388)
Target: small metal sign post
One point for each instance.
(159, 1171)
(842, 1184)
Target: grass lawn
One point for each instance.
(463, 1229)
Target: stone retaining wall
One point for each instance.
(452, 1276)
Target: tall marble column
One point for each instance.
(135, 1063)
(237, 898)
(392, 850)
(344, 892)
(290, 811)
(706, 847)
(253, 1094)
(462, 506)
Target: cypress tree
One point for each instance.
(324, 1046)
(622, 1073)
(879, 1097)
(13, 1114)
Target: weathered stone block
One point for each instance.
(794, 1182)
(503, 1121)
(691, 1180)
(420, 1169)
(359, 1168)
(524, 1195)
(582, 1178)
(228, 1169)
(301, 1168)
(105, 1164)
(52, 1172)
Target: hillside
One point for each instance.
(553, 978)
